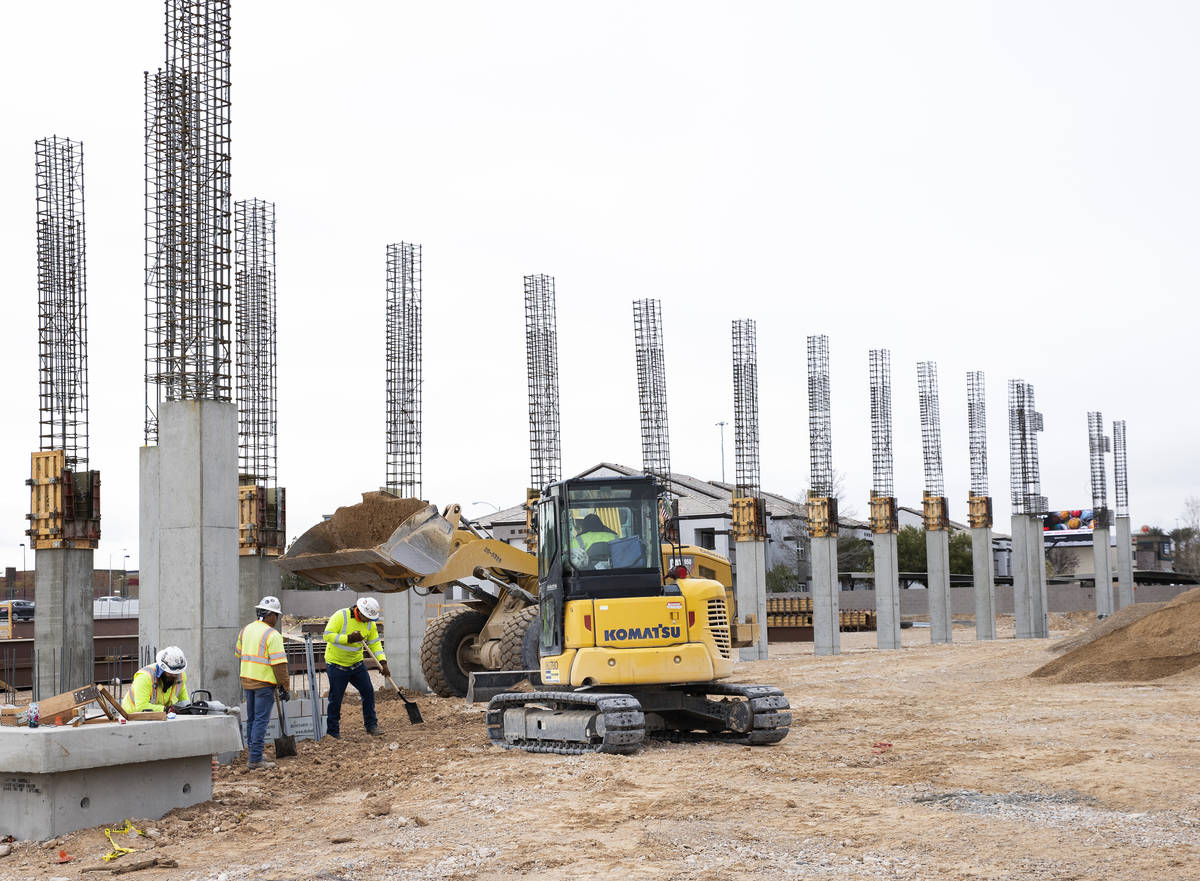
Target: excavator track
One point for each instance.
(602, 723)
(769, 722)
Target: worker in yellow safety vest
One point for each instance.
(347, 631)
(591, 531)
(158, 686)
(263, 669)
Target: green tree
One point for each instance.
(910, 546)
(855, 555)
(781, 578)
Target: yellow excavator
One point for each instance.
(387, 544)
(629, 647)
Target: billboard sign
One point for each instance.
(1074, 521)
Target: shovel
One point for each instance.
(410, 707)
(285, 745)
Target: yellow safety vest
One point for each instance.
(146, 693)
(259, 646)
(339, 650)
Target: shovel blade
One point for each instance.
(414, 711)
(285, 747)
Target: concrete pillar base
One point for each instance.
(983, 567)
(827, 637)
(62, 628)
(258, 577)
(190, 588)
(750, 586)
(937, 565)
(1022, 597)
(887, 590)
(403, 617)
(1104, 585)
(1124, 564)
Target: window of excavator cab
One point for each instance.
(612, 527)
(547, 537)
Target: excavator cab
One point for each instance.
(626, 647)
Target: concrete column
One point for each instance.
(983, 567)
(887, 590)
(63, 625)
(1022, 585)
(1124, 564)
(195, 586)
(258, 577)
(937, 565)
(1040, 605)
(403, 617)
(1104, 586)
(750, 585)
(148, 610)
(825, 590)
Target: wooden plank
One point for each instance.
(68, 700)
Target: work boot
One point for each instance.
(264, 765)
(375, 731)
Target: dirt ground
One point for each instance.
(937, 762)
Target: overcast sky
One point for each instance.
(1009, 187)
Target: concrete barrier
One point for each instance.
(54, 780)
(1063, 598)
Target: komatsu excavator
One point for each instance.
(629, 647)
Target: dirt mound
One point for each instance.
(1162, 643)
(370, 522)
(1123, 618)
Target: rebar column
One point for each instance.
(652, 389)
(936, 510)
(883, 517)
(403, 322)
(541, 372)
(1098, 445)
(749, 518)
(822, 504)
(1124, 534)
(979, 510)
(1028, 503)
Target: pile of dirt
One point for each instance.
(370, 522)
(1123, 618)
(1161, 643)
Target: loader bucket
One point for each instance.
(419, 545)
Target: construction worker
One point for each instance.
(264, 669)
(158, 686)
(346, 633)
(591, 531)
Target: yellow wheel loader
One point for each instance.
(388, 544)
(628, 647)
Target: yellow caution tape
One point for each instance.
(118, 851)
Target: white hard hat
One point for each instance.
(368, 607)
(269, 604)
(171, 659)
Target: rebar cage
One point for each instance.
(1024, 422)
(187, 210)
(820, 435)
(931, 427)
(1120, 470)
(882, 485)
(977, 432)
(652, 388)
(404, 370)
(541, 366)
(745, 409)
(1098, 445)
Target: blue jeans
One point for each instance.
(339, 678)
(258, 713)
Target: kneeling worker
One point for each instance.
(160, 685)
(347, 631)
(264, 668)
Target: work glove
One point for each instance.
(356, 636)
(383, 668)
(285, 695)
(579, 558)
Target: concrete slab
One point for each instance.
(887, 590)
(63, 627)
(937, 565)
(827, 639)
(750, 586)
(983, 567)
(56, 780)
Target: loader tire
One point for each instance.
(441, 660)
(519, 645)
